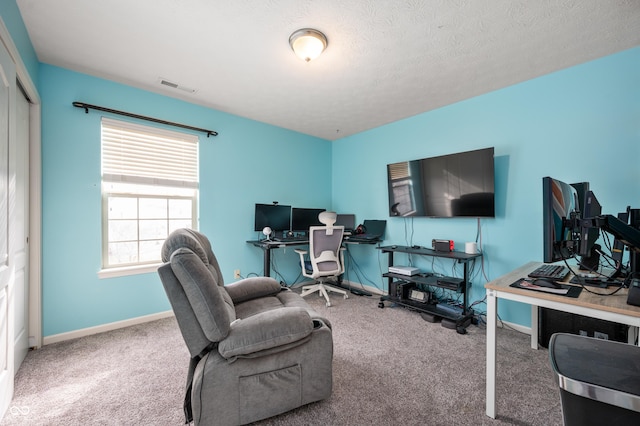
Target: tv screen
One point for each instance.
(277, 217)
(455, 185)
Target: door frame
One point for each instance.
(35, 189)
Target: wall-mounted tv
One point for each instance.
(454, 185)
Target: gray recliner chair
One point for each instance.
(257, 349)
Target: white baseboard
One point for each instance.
(514, 326)
(47, 340)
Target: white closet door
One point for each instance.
(19, 234)
(7, 219)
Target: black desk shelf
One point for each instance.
(461, 319)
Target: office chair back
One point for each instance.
(325, 250)
(325, 243)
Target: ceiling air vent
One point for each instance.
(173, 85)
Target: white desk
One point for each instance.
(610, 308)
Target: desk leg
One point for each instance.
(267, 262)
(534, 327)
(492, 315)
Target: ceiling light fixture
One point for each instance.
(308, 43)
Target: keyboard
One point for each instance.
(554, 272)
(290, 239)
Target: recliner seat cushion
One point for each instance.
(266, 330)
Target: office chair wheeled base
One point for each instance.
(323, 290)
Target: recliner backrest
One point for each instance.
(193, 282)
(196, 242)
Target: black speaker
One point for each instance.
(633, 297)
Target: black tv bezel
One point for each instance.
(480, 154)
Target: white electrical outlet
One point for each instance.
(236, 274)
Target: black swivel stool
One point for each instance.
(599, 380)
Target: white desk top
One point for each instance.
(615, 304)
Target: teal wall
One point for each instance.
(12, 19)
(582, 123)
(579, 124)
(248, 162)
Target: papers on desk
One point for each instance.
(564, 290)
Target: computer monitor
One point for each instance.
(303, 218)
(589, 257)
(559, 214)
(617, 250)
(275, 216)
(346, 220)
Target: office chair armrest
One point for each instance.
(252, 288)
(266, 331)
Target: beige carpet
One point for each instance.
(390, 367)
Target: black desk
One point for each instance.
(269, 245)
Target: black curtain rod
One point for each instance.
(87, 107)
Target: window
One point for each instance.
(149, 188)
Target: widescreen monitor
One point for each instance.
(303, 218)
(559, 209)
(275, 216)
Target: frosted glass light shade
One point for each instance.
(307, 43)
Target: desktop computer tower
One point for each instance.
(551, 321)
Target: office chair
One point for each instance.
(326, 258)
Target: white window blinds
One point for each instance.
(140, 154)
(399, 171)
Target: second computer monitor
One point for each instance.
(346, 220)
(303, 218)
(589, 236)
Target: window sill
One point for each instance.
(128, 270)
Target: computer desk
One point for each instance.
(611, 308)
(268, 245)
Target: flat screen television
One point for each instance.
(275, 216)
(454, 185)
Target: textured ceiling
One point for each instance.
(386, 60)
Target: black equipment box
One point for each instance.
(551, 321)
(400, 289)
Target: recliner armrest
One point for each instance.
(266, 330)
(252, 288)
